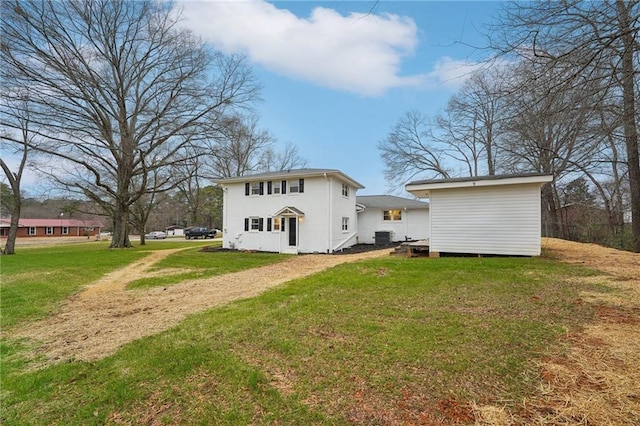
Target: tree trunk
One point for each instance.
(629, 115)
(10, 246)
(120, 237)
(549, 205)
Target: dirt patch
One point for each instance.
(105, 316)
(598, 381)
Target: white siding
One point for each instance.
(486, 220)
(414, 225)
(318, 231)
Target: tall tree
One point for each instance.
(17, 110)
(592, 41)
(471, 121)
(288, 158)
(410, 150)
(236, 147)
(124, 90)
(547, 131)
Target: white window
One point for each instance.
(65, 230)
(276, 224)
(255, 188)
(32, 230)
(276, 187)
(345, 224)
(49, 230)
(345, 190)
(255, 224)
(392, 215)
(294, 186)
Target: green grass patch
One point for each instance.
(35, 280)
(375, 342)
(196, 263)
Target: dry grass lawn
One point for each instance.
(598, 383)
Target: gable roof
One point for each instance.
(291, 174)
(289, 211)
(389, 202)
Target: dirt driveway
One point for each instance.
(104, 315)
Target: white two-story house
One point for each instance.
(295, 211)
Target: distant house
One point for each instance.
(402, 218)
(174, 230)
(296, 211)
(52, 228)
(484, 215)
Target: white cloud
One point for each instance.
(358, 53)
(451, 73)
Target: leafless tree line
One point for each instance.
(559, 98)
(118, 103)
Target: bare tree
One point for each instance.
(548, 131)
(591, 41)
(21, 136)
(471, 121)
(236, 147)
(410, 150)
(124, 90)
(288, 158)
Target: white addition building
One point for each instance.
(296, 211)
(484, 215)
(393, 218)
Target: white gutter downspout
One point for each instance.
(329, 200)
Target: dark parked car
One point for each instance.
(199, 232)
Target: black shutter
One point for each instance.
(260, 224)
(246, 224)
(246, 188)
(268, 224)
(301, 185)
(269, 189)
(282, 221)
(261, 188)
(284, 186)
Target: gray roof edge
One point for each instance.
(290, 173)
(477, 178)
(390, 201)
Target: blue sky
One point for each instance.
(337, 75)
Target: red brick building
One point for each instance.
(52, 228)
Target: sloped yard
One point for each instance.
(386, 341)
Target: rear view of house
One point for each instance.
(295, 211)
